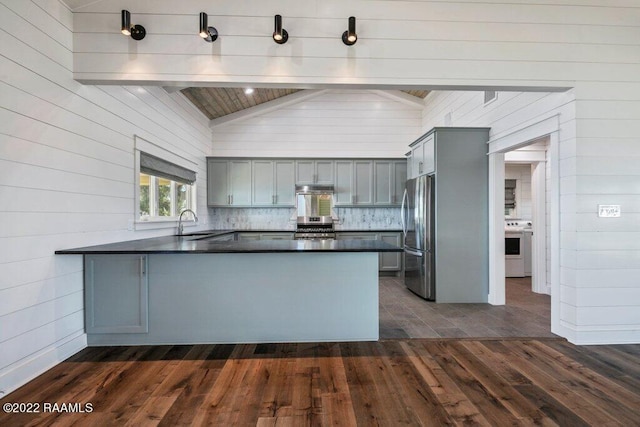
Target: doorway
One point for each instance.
(536, 146)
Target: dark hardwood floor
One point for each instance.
(391, 382)
(405, 315)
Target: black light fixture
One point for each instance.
(137, 32)
(209, 34)
(350, 37)
(280, 35)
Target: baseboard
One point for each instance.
(40, 362)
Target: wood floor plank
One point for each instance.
(404, 382)
(452, 399)
(551, 379)
(488, 404)
(509, 397)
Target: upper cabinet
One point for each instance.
(228, 182)
(353, 182)
(422, 157)
(273, 183)
(390, 177)
(309, 172)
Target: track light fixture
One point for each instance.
(137, 32)
(280, 35)
(350, 37)
(209, 34)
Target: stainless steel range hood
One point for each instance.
(314, 204)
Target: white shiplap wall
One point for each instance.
(66, 179)
(336, 123)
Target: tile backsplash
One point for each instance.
(284, 218)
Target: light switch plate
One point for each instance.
(609, 211)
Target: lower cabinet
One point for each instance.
(246, 236)
(391, 261)
(276, 236)
(116, 294)
(388, 261)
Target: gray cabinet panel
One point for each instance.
(383, 182)
(363, 182)
(116, 294)
(217, 182)
(305, 172)
(343, 190)
(284, 183)
(391, 261)
(399, 180)
(263, 182)
(240, 182)
(314, 172)
(324, 172)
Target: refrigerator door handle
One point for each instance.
(403, 214)
(412, 252)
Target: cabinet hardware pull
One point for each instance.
(143, 270)
(232, 199)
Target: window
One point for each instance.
(165, 189)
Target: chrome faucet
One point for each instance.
(180, 226)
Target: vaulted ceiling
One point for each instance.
(215, 102)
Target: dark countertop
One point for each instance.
(200, 243)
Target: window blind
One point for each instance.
(158, 167)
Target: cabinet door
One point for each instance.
(343, 194)
(399, 179)
(358, 235)
(391, 261)
(276, 236)
(116, 294)
(429, 155)
(417, 160)
(240, 182)
(305, 172)
(363, 182)
(324, 172)
(243, 237)
(263, 183)
(382, 190)
(217, 182)
(285, 186)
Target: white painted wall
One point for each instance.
(522, 174)
(66, 179)
(337, 123)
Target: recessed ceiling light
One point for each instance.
(248, 91)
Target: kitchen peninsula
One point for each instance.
(203, 289)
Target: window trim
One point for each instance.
(143, 145)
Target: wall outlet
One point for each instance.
(608, 211)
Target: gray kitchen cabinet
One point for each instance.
(263, 182)
(388, 261)
(243, 236)
(389, 180)
(285, 183)
(310, 172)
(228, 182)
(353, 182)
(116, 294)
(273, 183)
(357, 235)
(276, 236)
(399, 175)
(422, 156)
(343, 187)
(217, 182)
(391, 261)
(224, 238)
(362, 182)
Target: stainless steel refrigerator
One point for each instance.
(418, 224)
